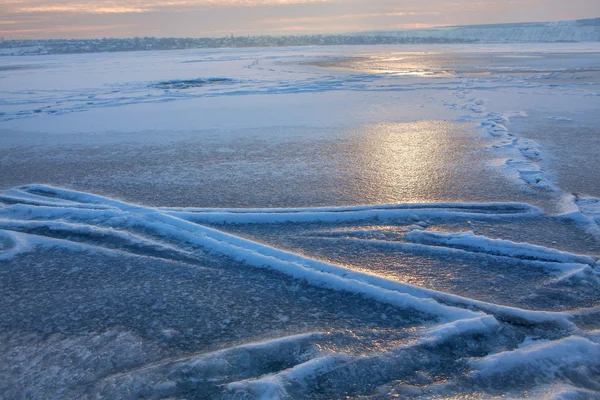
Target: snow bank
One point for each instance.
(472, 242)
(214, 369)
(75, 214)
(584, 210)
(571, 393)
(483, 208)
(16, 196)
(491, 211)
(316, 273)
(563, 268)
(274, 386)
(279, 347)
(484, 324)
(589, 206)
(258, 255)
(548, 358)
(11, 244)
(83, 233)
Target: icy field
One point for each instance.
(335, 222)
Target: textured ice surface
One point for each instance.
(417, 222)
(177, 308)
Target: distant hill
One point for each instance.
(585, 30)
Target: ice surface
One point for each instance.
(100, 223)
(362, 222)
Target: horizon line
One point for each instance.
(232, 34)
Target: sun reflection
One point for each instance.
(408, 161)
(395, 64)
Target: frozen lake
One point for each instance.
(320, 222)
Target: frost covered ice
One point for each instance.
(314, 223)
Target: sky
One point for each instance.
(24, 19)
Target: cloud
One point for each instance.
(79, 18)
(85, 9)
(115, 7)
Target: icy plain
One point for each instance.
(321, 222)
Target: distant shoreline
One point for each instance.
(587, 30)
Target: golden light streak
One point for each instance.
(81, 8)
(112, 7)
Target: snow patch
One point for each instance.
(551, 359)
(274, 386)
(11, 244)
(478, 325)
(472, 242)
